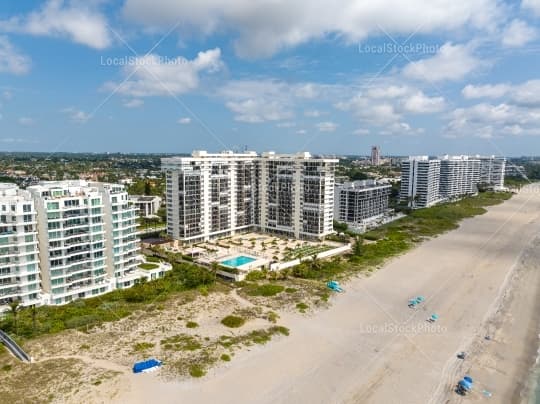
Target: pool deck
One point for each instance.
(257, 262)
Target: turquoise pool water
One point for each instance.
(238, 261)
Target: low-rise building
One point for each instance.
(147, 206)
(360, 202)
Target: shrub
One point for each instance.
(255, 275)
(290, 290)
(196, 371)
(142, 346)
(302, 307)
(268, 289)
(225, 358)
(233, 321)
(191, 324)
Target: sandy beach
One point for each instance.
(369, 347)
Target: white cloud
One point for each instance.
(262, 28)
(421, 104)
(151, 75)
(286, 125)
(312, 113)
(25, 121)
(471, 91)
(11, 61)
(184, 121)
(327, 126)
(256, 101)
(525, 94)
(361, 132)
(301, 131)
(533, 5)
(76, 20)
(76, 115)
(518, 33)
(452, 62)
(133, 103)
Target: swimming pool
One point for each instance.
(238, 261)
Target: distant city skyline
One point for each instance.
(134, 76)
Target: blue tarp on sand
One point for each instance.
(139, 367)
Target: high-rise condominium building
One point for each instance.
(420, 181)
(459, 176)
(359, 202)
(492, 171)
(122, 246)
(19, 261)
(87, 239)
(375, 156)
(295, 194)
(214, 195)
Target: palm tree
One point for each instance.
(315, 263)
(214, 266)
(14, 307)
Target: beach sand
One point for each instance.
(369, 347)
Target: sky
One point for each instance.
(329, 77)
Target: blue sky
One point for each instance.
(329, 77)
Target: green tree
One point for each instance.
(14, 310)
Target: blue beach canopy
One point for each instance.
(468, 378)
(139, 367)
(465, 384)
(434, 316)
(420, 299)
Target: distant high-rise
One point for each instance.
(420, 178)
(375, 156)
(459, 176)
(492, 171)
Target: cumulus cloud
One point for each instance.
(184, 121)
(256, 101)
(312, 113)
(452, 62)
(152, 75)
(76, 115)
(11, 60)
(532, 5)
(471, 91)
(262, 28)
(133, 103)
(386, 106)
(524, 94)
(518, 33)
(75, 20)
(327, 126)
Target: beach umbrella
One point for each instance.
(434, 317)
(420, 299)
(468, 378)
(465, 384)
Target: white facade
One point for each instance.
(215, 195)
(459, 176)
(420, 178)
(492, 171)
(359, 202)
(121, 237)
(87, 239)
(19, 261)
(147, 206)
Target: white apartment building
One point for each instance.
(359, 202)
(296, 195)
(87, 239)
(420, 177)
(492, 171)
(215, 195)
(147, 206)
(19, 261)
(121, 237)
(459, 176)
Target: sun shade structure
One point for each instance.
(146, 366)
(334, 285)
